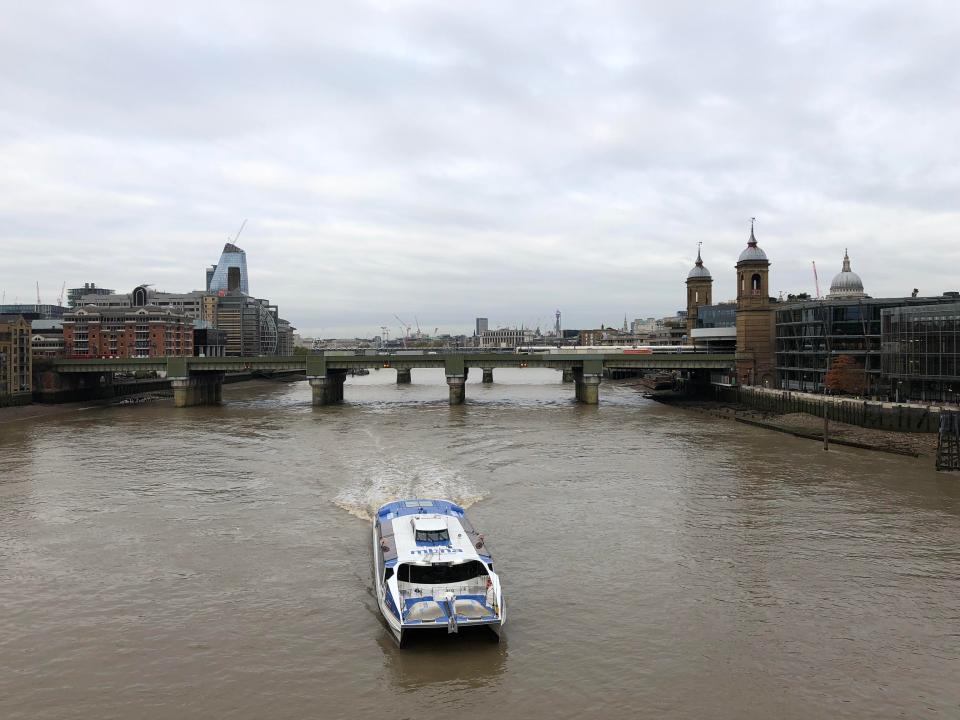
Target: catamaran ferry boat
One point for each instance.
(433, 570)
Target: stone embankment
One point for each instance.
(806, 425)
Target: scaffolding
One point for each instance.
(948, 443)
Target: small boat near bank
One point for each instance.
(433, 570)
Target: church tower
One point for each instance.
(755, 317)
(699, 292)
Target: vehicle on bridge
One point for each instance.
(433, 570)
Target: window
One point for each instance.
(432, 536)
(441, 574)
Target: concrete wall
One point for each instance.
(865, 413)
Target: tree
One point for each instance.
(845, 376)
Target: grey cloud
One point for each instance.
(494, 159)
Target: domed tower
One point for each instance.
(699, 291)
(846, 283)
(755, 317)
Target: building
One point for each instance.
(755, 358)
(143, 331)
(643, 327)
(284, 337)
(197, 304)
(209, 342)
(250, 324)
(920, 350)
(715, 328)
(75, 295)
(46, 338)
(34, 312)
(16, 361)
(506, 338)
(699, 291)
(230, 272)
(483, 324)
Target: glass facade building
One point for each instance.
(811, 333)
(230, 273)
(921, 351)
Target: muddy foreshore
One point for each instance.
(811, 427)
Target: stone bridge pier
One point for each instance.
(403, 376)
(328, 389)
(587, 383)
(200, 388)
(487, 375)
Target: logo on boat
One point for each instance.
(436, 551)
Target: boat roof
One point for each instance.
(397, 521)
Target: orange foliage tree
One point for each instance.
(845, 376)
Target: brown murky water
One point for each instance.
(213, 562)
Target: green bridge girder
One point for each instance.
(453, 363)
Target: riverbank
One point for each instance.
(809, 426)
(20, 413)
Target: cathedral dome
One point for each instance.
(846, 283)
(752, 252)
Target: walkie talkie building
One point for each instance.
(230, 273)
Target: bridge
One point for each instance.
(199, 380)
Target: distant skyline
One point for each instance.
(448, 161)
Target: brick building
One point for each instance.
(16, 362)
(147, 331)
(755, 317)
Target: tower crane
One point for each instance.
(60, 296)
(816, 279)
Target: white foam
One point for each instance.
(384, 480)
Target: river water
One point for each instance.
(215, 562)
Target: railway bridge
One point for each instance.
(199, 380)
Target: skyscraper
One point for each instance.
(230, 273)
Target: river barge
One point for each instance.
(433, 570)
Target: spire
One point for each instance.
(699, 260)
(846, 261)
(752, 242)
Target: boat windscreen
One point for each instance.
(441, 574)
(432, 536)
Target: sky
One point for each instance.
(440, 161)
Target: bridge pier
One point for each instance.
(403, 376)
(458, 388)
(567, 375)
(197, 389)
(487, 375)
(587, 388)
(327, 389)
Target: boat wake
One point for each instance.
(399, 478)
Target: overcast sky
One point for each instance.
(454, 159)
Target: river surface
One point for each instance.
(214, 562)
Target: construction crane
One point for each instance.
(38, 293)
(237, 236)
(816, 279)
(60, 296)
(417, 321)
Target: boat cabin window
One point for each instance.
(432, 536)
(441, 574)
(387, 574)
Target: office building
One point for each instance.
(33, 312)
(46, 339)
(920, 350)
(76, 295)
(230, 272)
(16, 361)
